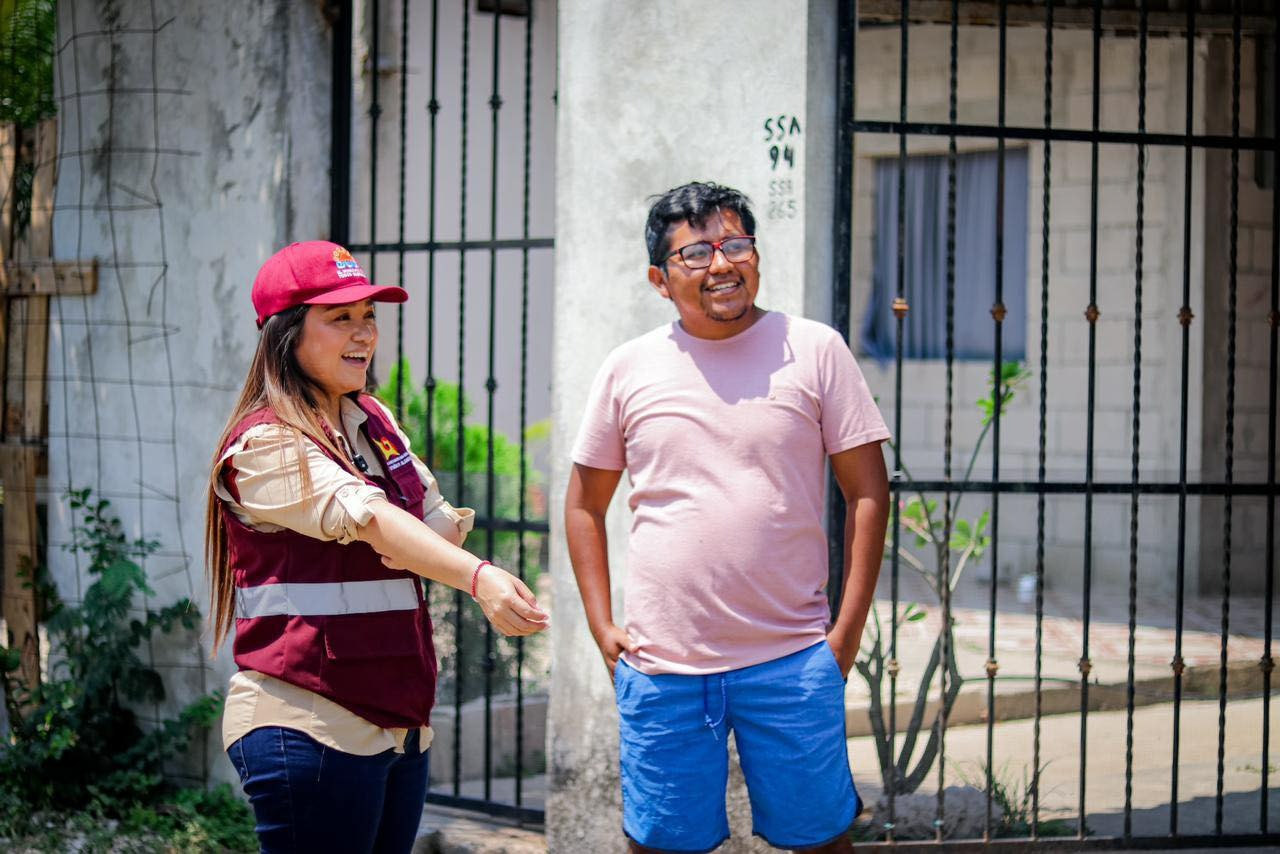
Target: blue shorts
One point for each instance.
(787, 716)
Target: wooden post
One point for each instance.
(28, 277)
(9, 138)
(28, 344)
(18, 474)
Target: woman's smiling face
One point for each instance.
(336, 346)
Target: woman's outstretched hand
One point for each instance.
(406, 542)
(508, 603)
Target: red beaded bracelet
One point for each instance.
(476, 575)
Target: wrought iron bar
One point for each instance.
(1047, 163)
(1060, 134)
(491, 385)
(453, 245)
(1077, 487)
(429, 383)
(1091, 315)
(340, 133)
(997, 398)
(1092, 843)
(375, 114)
(1185, 318)
(944, 587)
(1121, 16)
(1137, 420)
(404, 128)
(1266, 662)
(433, 110)
(841, 267)
(900, 311)
(1230, 439)
(530, 526)
(524, 390)
(460, 447)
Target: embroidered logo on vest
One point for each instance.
(394, 456)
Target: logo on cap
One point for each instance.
(346, 265)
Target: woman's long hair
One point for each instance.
(277, 382)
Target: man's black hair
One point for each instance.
(694, 203)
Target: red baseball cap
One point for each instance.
(315, 272)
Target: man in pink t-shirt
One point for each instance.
(724, 421)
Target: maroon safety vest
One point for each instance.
(332, 618)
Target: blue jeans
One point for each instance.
(309, 797)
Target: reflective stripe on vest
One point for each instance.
(300, 599)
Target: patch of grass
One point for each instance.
(1015, 797)
(1250, 768)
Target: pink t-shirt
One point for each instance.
(725, 443)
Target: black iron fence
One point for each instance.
(1206, 449)
(464, 191)
(411, 83)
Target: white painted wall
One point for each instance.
(210, 153)
(653, 95)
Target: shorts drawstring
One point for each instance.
(706, 705)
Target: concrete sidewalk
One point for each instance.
(451, 831)
(1105, 756)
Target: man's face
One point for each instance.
(716, 301)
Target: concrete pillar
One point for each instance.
(652, 95)
(193, 142)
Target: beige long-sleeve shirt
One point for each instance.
(266, 461)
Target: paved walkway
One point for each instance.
(1062, 643)
(1151, 777)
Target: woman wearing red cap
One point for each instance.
(319, 517)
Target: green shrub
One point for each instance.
(455, 617)
(27, 32)
(75, 743)
(197, 820)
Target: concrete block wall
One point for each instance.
(1253, 270)
(1069, 267)
(192, 144)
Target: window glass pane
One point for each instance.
(925, 257)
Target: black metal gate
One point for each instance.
(1234, 323)
(409, 77)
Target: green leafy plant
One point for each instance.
(75, 742)
(27, 33)
(434, 433)
(945, 557)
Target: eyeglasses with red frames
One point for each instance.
(698, 255)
